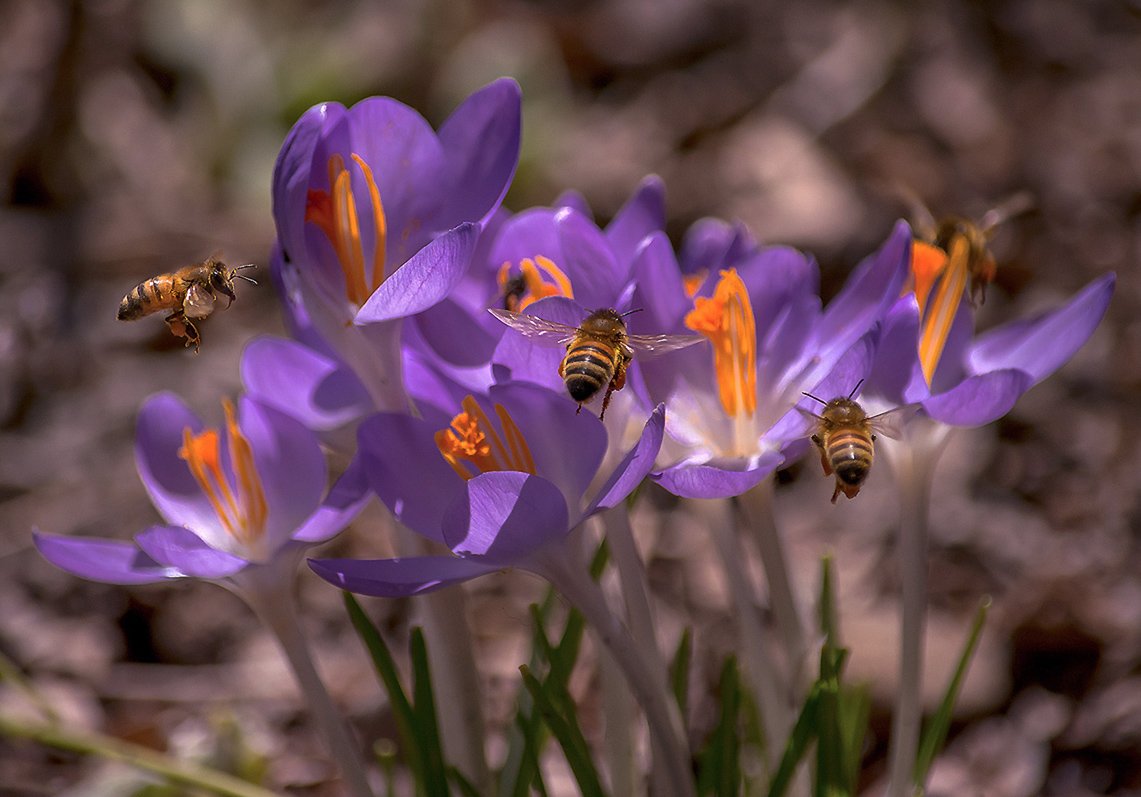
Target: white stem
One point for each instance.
(569, 576)
(269, 592)
(618, 709)
(758, 508)
(765, 680)
(914, 465)
(632, 576)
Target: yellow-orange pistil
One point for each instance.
(521, 290)
(335, 212)
(472, 446)
(946, 273)
(241, 508)
(727, 320)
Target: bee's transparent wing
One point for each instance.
(651, 345)
(891, 423)
(199, 302)
(1011, 206)
(542, 331)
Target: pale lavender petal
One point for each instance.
(897, 374)
(634, 467)
(318, 390)
(291, 466)
(424, 280)
(709, 481)
(574, 200)
(481, 146)
(450, 331)
(407, 471)
(172, 488)
(521, 358)
(1041, 345)
(504, 516)
(596, 274)
(712, 244)
(349, 495)
(952, 366)
(980, 399)
(660, 289)
(182, 549)
(774, 277)
(398, 578)
(291, 175)
(108, 561)
(644, 213)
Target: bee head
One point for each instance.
(222, 278)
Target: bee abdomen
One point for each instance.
(850, 455)
(586, 368)
(145, 298)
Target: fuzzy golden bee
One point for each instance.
(961, 240)
(187, 293)
(599, 350)
(845, 437)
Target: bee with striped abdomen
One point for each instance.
(845, 436)
(188, 293)
(599, 350)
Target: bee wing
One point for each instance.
(1009, 207)
(891, 423)
(199, 302)
(651, 345)
(542, 331)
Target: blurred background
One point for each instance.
(136, 137)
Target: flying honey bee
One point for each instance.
(188, 293)
(959, 237)
(599, 350)
(845, 436)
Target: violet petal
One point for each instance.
(107, 561)
(398, 578)
(503, 516)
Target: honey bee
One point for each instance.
(188, 293)
(599, 350)
(960, 237)
(845, 436)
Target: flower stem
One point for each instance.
(178, 772)
(569, 576)
(271, 597)
(758, 508)
(914, 465)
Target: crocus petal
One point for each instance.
(523, 358)
(635, 466)
(1041, 345)
(291, 175)
(644, 213)
(451, 331)
(596, 273)
(980, 399)
(712, 244)
(407, 471)
(182, 549)
(398, 578)
(481, 145)
(172, 488)
(898, 375)
(660, 290)
(425, 279)
(108, 561)
(504, 516)
(290, 464)
(345, 500)
(318, 390)
(709, 481)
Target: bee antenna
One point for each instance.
(235, 275)
(631, 312)
(857, 387)
(814, 398)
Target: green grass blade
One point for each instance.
(855, 708)
(385, 667)
(466, 787)
(720, 773)
(936, 733)
(679, 671)
(565, 729)
(803, 733)
(427, 728)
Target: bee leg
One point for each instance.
(576, 412)
(182, 327)
(823, 457)
(836, 492)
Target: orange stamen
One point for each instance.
(727, 320)
(535, 287)
(939, 314)
(335, 213)
(241, 508)
(472, 446)
(692, 282)
(927, 263)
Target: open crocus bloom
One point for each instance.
(377, 219)
(731, 412)
(501, 486)
(964, 380)
(249, 495)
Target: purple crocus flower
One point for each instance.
(237, 503)
(377, 218)
(502, 486)
(731, 415)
